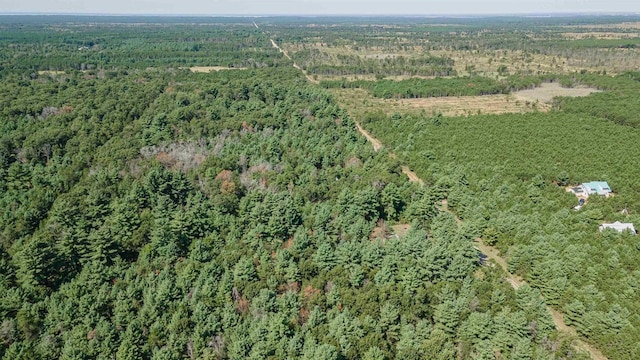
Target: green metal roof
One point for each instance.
(597, 186)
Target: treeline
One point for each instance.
(629, 43)
(318, 62)
(437, 87)
(106, 46)
(619, 102)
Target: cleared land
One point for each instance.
(487, 62)
(601, 35)
(547, 91)
(473, 105)
(447, 106)
(622, 26)
(537, 99)
(50, 72)
(208, 69)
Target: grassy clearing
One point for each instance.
(360, 101)
(208, 69)
(620, 26)
(466, 62)
(497, 62)
(600, 35)
(488, 63)
(547, 91)
(50, 72)
(471, 105)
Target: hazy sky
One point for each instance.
(311, 7)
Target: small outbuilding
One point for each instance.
(619, 227)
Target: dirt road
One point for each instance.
(558, 318)
(377, 145)
(411, 175)
(286, 54)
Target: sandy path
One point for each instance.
(286, 54)
(558, 318)
(377, 145)
(411, 175)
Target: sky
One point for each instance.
(319, 7)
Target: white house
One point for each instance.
(619, 227)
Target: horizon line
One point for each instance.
(438, 15)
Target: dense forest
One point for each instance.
(153, 212)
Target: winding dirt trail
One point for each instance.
(492, 253)
(377, 145)
(286, 54)
(558, 318)
(411, 175)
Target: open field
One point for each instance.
(50, 72)
(538, 99)
(471, 105)
(632, 25)
(547, 91)
(601, 35)
(361, 101)
(489, 62)
(208, 69)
